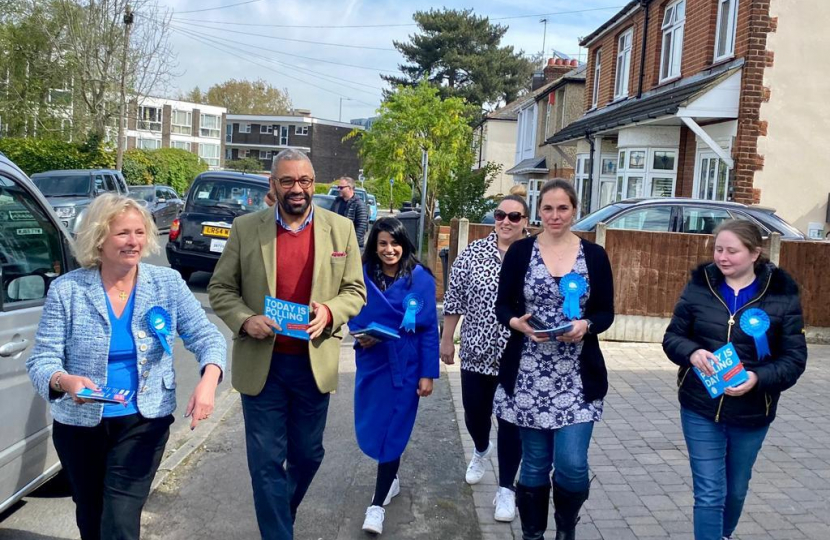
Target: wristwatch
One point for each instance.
(588, 331)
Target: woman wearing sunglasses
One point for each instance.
(472, 290)
(552, 382)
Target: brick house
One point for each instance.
(555, 101)
(262, 137)
(154, 123)
(673, 103)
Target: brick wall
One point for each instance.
(332, 158)
(698, 44)
(745, 151)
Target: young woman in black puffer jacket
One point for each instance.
(743, 299)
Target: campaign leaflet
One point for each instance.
(108, 395)
(292, 318)
(729, 371)
(377, 331)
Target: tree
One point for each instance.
(248, 164)
(463, 195)
(89, 49)
(459, 52)
(413, 119)
(244, 97)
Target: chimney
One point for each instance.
(556, 68)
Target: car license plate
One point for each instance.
(29, 232)
(217, 246)
(219, 232)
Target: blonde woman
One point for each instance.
(112, 323)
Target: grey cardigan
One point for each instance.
(74, 336)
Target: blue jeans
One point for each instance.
(721, 457)
(564, 450)
(284, 427)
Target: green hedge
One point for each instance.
(379, 187)
(38, 155)
(167, 166)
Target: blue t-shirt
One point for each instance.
(122, 370)
(735, 301)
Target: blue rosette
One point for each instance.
(160, 322)
(572, 286)
(755, 323)
(412, 304)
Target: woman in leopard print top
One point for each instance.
(472, 291)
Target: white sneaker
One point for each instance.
(394, 490)
(505, 502)
(476, 468)
(374, 519)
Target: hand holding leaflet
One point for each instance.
(107, 395)
(728, 371)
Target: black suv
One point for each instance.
(70, 192)
(198, 236)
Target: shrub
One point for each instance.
(167, 166)
(248, 164)
(38, 155)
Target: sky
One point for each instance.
(339, 75)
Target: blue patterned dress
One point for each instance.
(548, 392)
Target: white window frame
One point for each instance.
(215, 130)
(229, 133)
(671, 49)
(147, 121)
(597, 74)
(548, 114)
(623, 64)
(179, 128)
(213, 159)
(154, 144)
(582, 184)
(264, 154)
(228, 154)
(266, 128)
(283, 135)
(699, 191)
(300, 130)
(244, 128)
(181, 145)
(731, 22)
(647, 174)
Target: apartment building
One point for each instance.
(262, 137)
(154, 123)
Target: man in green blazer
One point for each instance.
(307, 255)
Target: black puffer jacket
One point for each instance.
(702, 321)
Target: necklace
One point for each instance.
(123, 295)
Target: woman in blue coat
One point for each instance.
(392, 374)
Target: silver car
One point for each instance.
(34, 250)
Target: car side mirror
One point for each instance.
(31, 287)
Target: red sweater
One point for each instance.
(295, 269)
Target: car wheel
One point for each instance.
(185, 272)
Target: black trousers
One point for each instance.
(284, 427)
(110, 469)
(477, 392)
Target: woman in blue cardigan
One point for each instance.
(113, 323)
(392, 374)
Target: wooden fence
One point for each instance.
(651, 269)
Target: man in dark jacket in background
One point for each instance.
(352, 207)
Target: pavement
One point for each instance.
(642, 489)
(643, 486)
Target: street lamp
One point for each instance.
(340, 115)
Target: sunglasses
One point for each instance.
(514, 217)
(341, 188)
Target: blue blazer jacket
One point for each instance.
(74, 336)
